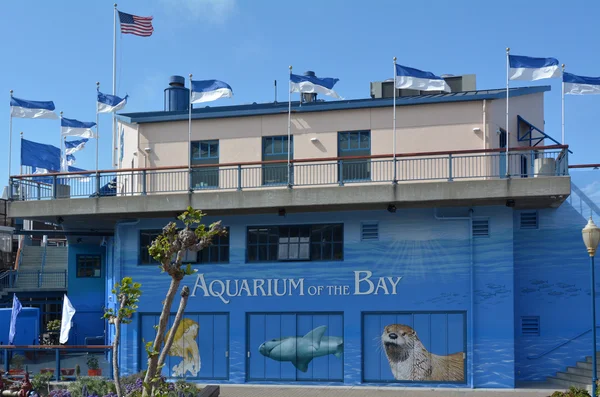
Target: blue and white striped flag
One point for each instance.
(580, 85)
(75, 146)
(314, 85)
(415, 79)
(210, 90)
(32, 109)
(110, 103)
(14, 313)
(531, 69)
(72, 127)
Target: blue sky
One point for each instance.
(58, 50)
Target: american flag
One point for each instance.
(139, 26)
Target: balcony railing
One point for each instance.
(60, 361)
(523, 162)
(33, 279)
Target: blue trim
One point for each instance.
(527, 136)
(282, 108)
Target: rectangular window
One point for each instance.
(295, 243)
(352, 144)
(205, 153)
(89, 266)
(217, 252)
(146, 239)
(276, 148)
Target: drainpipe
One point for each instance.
(117, 240)
(469, 220)
(485, 130)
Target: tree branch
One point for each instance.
(185, 293)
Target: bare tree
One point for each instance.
(169, 249)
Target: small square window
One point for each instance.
(89, 266)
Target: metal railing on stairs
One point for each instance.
(536, 356)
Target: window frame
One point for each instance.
(271, 247)
(219, 245)
(208, 142)
(198, 261)
(78, 266)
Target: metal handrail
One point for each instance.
(296, 161)
(536, 356)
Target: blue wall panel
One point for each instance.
(87, 296)
(414, 347)
(200, 349)
(432, 262)
(295, 347)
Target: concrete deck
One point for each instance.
(547, 192)
(365, 391)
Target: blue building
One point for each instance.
(454, 263)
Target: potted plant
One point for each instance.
(94, 368)
(16, 365)
(67, 371)
(47, 370)
(52, 334)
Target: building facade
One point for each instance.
(451, 264)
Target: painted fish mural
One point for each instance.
(186, 347)
(301, 350)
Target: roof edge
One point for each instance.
(271, 108)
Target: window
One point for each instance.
(276, 148)
(218, 252)
(205, 150)
(350, 144)
(205, 153)
(295, 243)
(89, 266)
(146, 239)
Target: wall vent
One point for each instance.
(369, 231)
(530, 325)
(481, 228)
(529, 220)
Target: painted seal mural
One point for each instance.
(300, 351)
(186, 347)
(410, 360)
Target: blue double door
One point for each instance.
(200, 349)
(295, 347)
(426, 347)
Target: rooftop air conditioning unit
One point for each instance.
(385, 89)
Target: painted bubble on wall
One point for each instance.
(300, 351)
(410, 360)
(185, 346)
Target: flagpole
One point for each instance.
(114, 87)
(97, 124)
(20, 162)
(190, 139)
(61, 166)
(10, 143)
(394, 180)
(563, 105)
(289, 131)
(507, 90)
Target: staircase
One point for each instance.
(40, 268)
(579, 376)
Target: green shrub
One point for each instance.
(94, 385)
(41, 383)
(572, 392)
